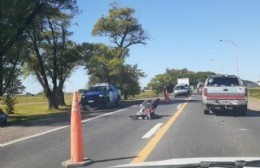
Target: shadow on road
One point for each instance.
(113, 159)
(156, 117)
(231, 113)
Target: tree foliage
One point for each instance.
(169, 79)
(128, 80)
(105, 64)
(121, 27)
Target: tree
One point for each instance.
(128, 80)
(53, 56)
(16, 16)
(121, 27)
(103, 62)
(169, 79)
(10, 63)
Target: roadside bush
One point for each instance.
(9, 103)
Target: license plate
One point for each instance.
(225, 101)
(91, 101)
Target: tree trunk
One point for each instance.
(125, 95)
(1, 76)
(61, 99)
(52, 101)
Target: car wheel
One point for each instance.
(205, 109)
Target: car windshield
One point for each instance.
(75, 73)
(98, 88)
(223, 81)
(180, 87)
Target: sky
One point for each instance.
(183, 34)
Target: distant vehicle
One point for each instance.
(200, 86)
(224, 91)
(185, 81)
(100, 95)
(181, 90)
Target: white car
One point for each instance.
(181, 90)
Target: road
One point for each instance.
(114, 138)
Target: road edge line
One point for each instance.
(58, 128)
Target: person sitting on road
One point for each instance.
(3, 117)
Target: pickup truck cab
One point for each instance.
(224, 91)
(100, 95)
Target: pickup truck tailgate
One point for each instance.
(229, 93)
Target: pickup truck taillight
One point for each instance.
(205, 92)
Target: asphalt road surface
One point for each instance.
(180, 130)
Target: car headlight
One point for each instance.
(101, 95)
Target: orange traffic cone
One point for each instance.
(166, 96)
(77, 156)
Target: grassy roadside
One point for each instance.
(254, 93)
(34, 107)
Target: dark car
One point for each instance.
(100, 95)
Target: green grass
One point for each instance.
(254, 93)
(143, 95)
(35, 107)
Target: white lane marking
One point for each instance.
(59, 128)
(109, 113)
(243, 129)
(179, 106)
(32, 136)
(152, 131)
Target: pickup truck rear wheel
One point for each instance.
(206, 109)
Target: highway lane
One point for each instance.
(117, 139)
(197, 135)
(108, 140)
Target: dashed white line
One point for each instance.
(110, 113)
(152, 131)
(179, 106)
(59, 128)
